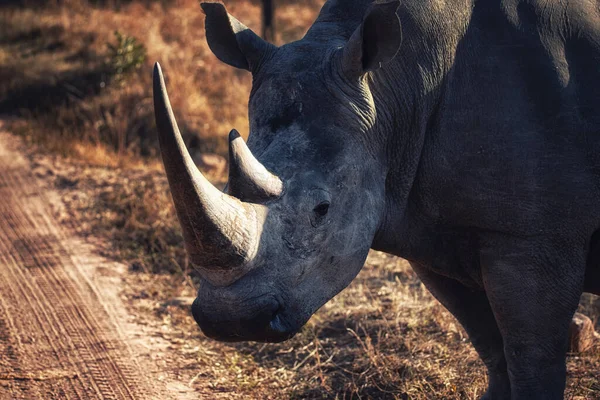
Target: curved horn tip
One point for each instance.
(157, 72)
(234, 134)
(158, 79)
(208, 6)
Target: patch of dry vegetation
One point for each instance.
(56, 70)
(60, 75)
(384, 337)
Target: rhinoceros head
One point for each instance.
(305, 196)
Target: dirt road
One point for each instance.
(60, 333)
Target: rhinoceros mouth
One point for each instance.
(265, 324)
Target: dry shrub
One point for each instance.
(134, 211)
(58, 73)
(62, 71)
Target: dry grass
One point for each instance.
(383, 337)
(55, 71)
(56, 75)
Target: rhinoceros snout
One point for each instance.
(262, 325)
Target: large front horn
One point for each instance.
(220, 232)
(248, 178)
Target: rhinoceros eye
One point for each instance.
(321, 209)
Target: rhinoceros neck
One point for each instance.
(407, 94)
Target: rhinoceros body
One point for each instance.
(463, 136)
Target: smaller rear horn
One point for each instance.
(248, 178)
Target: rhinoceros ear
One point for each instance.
(375, 42)
(230, 40)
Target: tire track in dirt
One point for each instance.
(58, 336)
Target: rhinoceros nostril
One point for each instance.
(277, 325)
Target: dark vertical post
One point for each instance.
(268, 20)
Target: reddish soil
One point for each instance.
(63, 330)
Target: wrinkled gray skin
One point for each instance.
(463, 136)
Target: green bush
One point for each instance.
(127, 55)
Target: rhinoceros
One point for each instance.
(463, 136)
